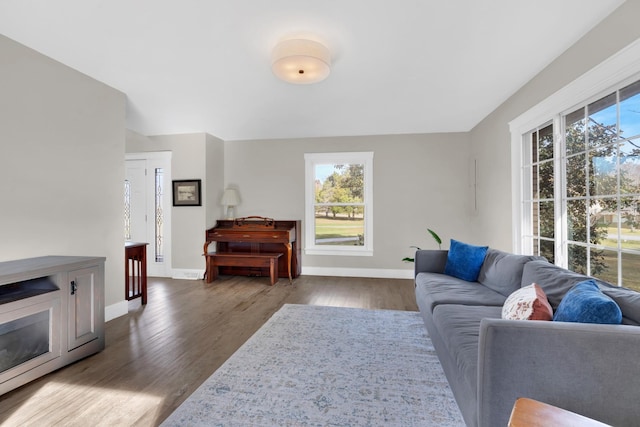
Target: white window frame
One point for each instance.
(313, 159)
(621, 67)
(526, 221)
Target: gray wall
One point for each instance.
(420, 182)
(214, 169)
(61, 164)
(490, 139)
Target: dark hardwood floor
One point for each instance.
(158, 354)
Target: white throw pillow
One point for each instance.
(528, 303)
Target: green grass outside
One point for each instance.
(339, 228)
(630, 270)
(627, 240)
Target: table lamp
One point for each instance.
(230, 199)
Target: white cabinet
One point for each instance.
(51, 314)
(85, 311)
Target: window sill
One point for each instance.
(339, 252)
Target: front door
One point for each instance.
(148, 207)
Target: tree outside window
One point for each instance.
(339, 207)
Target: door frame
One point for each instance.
(158, 159)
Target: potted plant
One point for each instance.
(435, 237)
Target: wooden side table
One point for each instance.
(135, 271)
(531, 413)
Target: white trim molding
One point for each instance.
(376, 273)
(187, 274)
(118, 309)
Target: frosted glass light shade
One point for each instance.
(301, 61)
(230, 197)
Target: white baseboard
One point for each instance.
(188, 274)
(358, 272)
(116, 310)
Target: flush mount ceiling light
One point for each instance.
(301, 61)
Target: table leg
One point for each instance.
(126, 276)
(288, 246)
(273, 270)
(143, 278)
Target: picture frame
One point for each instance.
(187, 192)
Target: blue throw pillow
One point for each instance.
(585, 303)
(464, 260)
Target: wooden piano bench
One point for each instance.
(237, 259)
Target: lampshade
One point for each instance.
(230, 197)
(301, 61)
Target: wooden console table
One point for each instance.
(135, 271)
(531, 413)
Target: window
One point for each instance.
(158, 212)
(127, 210)
(596, 172)
(159, 215)
(590, 196)
(538, 167)
(339, 203)
(603, 186)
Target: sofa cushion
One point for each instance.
(459, 325)
(628, 300)
(502, 271)
(464, 260)
(555, 281)
(433, 289)
(528, 303)
(585, 303)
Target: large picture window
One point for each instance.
(582, 211)
(339, 203)
(602, 145)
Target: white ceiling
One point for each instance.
(401, 66)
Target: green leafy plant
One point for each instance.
(435, 237)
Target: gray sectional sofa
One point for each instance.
(591, 369)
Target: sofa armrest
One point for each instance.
(588, 369)
(430, 261)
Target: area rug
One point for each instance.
(327, 366)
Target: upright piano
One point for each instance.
(257, 235)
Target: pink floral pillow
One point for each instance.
(528, 303)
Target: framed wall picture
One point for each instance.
(186, 192)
